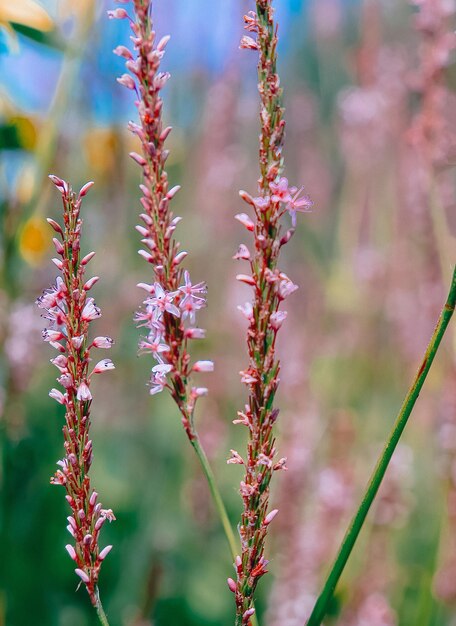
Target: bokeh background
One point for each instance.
(370, 107)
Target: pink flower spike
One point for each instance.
(203, 366)
(127, 81)
(245, 220)
(103, 342)
(82, 575)
(231, 585)
(57, 395)
(105, 365)
(117, 14)
(104, 553)
(83, 394)
(270, 516)
(71, 551)
(123, 51)
(85, 188)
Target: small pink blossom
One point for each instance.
(231, 585)
(104, 553)
(103, 342)
(57, 395)
(203, 366)
(127, 81)
(82, 575)
(90, 311)
(71, 551)
(83, 393)
(247, 43)
(105, 365)
(245, 220)
(270, 516)
(117, 14)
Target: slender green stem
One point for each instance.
(217, 498)
(218, 501)
(100, 611)
(358, 520)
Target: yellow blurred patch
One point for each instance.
(34, 240)
(26, 12)
(26, 130)
(101, 147)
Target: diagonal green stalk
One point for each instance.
(100, 611)
(358, 520)
(217, 498)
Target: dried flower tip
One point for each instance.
(245, 220)
(82, 575)
(270, 516)
(84, 190)
(231, 585)
(105, 365)
(203, 366)
(83, 393)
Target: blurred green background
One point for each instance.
(372, 260)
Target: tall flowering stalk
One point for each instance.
(69, 311)
(169, 311)
(271, 287)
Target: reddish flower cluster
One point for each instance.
(271, 286)
(69, 311)
(438, 41)
(169, 311)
